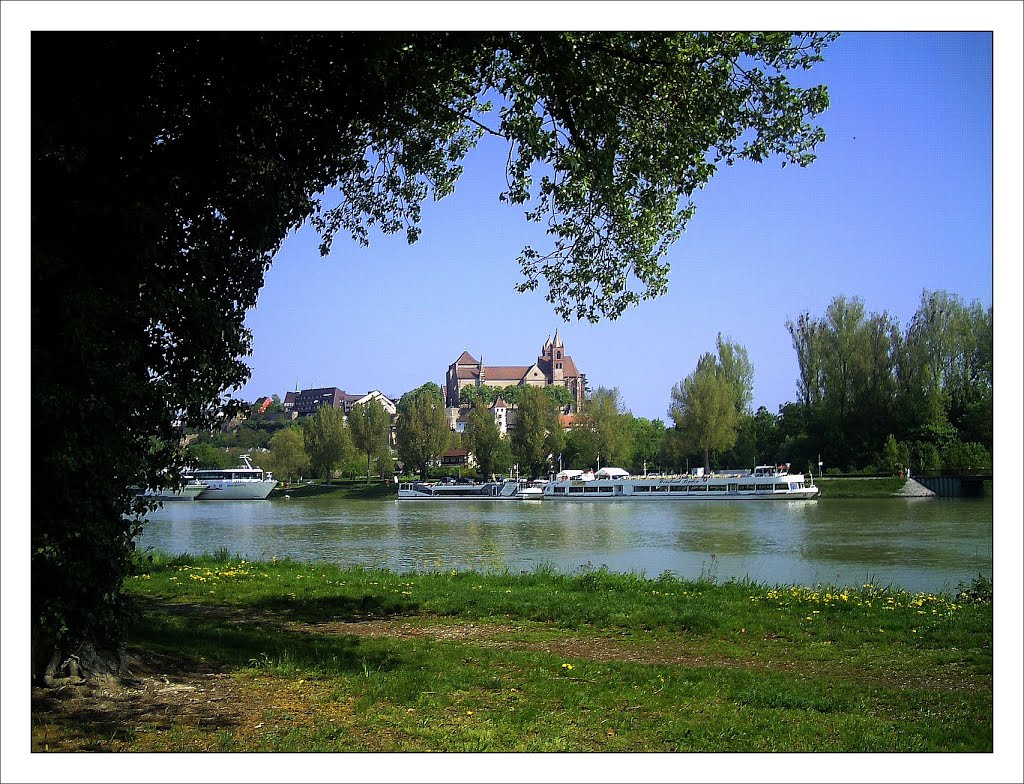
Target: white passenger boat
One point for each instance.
(764, 483)
(499, 490)
(243, 483)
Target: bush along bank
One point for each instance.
(287, 656)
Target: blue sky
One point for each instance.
(899, 201)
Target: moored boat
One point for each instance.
(764, 483)
(499, 490)
(243, 483)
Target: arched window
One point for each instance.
(559, 356)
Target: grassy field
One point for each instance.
(283, 656)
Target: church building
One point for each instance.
(553, 367)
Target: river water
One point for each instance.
(919, 544)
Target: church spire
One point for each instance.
(558, 340)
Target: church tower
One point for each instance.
(557, 351)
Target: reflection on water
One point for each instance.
(920, 545)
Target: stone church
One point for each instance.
(553, 367)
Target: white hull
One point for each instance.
(237, 490)
(509, 490)
(244, 483)
(763, 484)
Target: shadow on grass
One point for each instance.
(334, 608)
(227, 637)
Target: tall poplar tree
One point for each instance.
(422, 428)
(483, 436)
(704, 411)
(537, 433)
(370, 426)
(327, 441)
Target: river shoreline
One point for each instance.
(831, 487)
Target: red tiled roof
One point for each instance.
(507, 372)
(464, 372)
(569, 368)
(456, 453)
(465, 359)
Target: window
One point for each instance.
(641, 489)
(678, 489)
(697, 488)
(659, 488)
(605, 489)
(559, 491)
(575, 489)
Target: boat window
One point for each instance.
(746, 488)
(763, 487)
(641, 488)
(605, 489)
(575, 489)
(716, 488)
(659, 489)
(678, 489)
(697, 488)
(733, 487)
(559, 490)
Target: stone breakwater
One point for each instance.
(913, 489)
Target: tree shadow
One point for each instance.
(336, 608)
(193, 638)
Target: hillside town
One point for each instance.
(468, 383)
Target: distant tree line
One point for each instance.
(323, 445)
(870, 398)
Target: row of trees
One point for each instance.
(320, 445)
(863, 379)
(870, 397)
(473, 395)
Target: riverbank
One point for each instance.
(284, 656)
(339, 489)
(855, 487)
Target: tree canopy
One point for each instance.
(168, 168)
(370, 426)
(422, 427)
(483, 437)
(327, 441)
(536, 434)
(704, 409)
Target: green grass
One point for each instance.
(319, 658)
(872, 487)
(344, 488)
